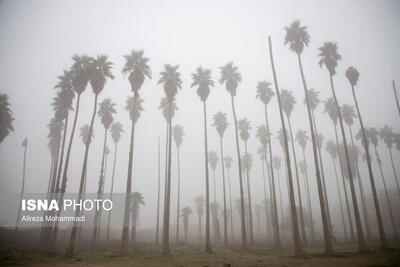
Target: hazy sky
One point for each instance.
(38, 39)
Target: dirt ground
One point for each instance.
(195, 256)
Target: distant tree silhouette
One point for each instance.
(25, 146)
(185, 212)
(228, 164)
(136, 201)
(6, 118)
(178, 133)
(199, 205)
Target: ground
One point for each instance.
(195, 256)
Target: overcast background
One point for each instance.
(38, 39)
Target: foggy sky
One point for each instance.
(38, 39)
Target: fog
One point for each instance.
(38, 40)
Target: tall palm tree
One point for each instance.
(228, 164)
(387, 136)
(298, 250)
(265, 94)
(116, 132)
(353, 75)
(247, 161)
(106, 111)
(25, 146)
(288, 102)
(158, 190)
(178, 133)
(6, 117)
(220, 124)
(185, 212)
(276, 163)
(100, 70)
(231, 77)
(349, 114)
(333, 152)
(137, 67)
(244, 127)
(329, 57)
(136, 200)
(297, 37)
(199, 204)
(213, 160)
(372, 135)
(301, 138)
(332, 110)
(171, 80)
(203, 81)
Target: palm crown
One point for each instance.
(100, 70)
(135, 107)
(329, 57)
(116, 131)
(313, 98)
(199, 204)
(171, 80)
(81, 72)
(320, 140)
(264, 92)
(297, 37)
(244, 127)
(231, 77)
(220, 123)
(263, 135)
(5, 117)
(301, 138)
(387, 136)
(352, 75)
(348, 114)
(331, 109)
(136, 66)
(55, 127)
(247, 161)
(186, 211)
(106, 111)
(137, 200)
(331, 147)
(303, 166)
(85, 129)
(288, 101)
(178, 133)
(276, 162)
(228, 162)
(202, 79)
(213, 159)
(168, 108)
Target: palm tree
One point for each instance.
(228, 164)
(136, 201)
(331, 109)
(178, 133)
(244, 127)
(396, 97)
(298, 250)
(202, 80)
(5, 117)
(116, 131)
(387, 136)
(353, 75)
(137, 67)
(276, 162)
(186, 211)
(158, 190)
(199, 204)
(265, 94)
(25, 146)
(333, 152)
(297, 37)
(231, 77)
(301, 138)
(213, 160)
(106, 111)
(171, 80)
(100, 70)
(349, 114)
(329, 57)
(288, 102)
(220, 124)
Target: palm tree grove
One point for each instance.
(200, 133)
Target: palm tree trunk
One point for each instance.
(265, 199)
(81, 213)
(166, 248)
(298, 250)
(303, 229)
(96, 224)
(22, 188)
(112, 190)
(280, 197)
(223, 187)
(382, 236)
(309, 200)
(133, 232)
(158, 192)
(230, 204)
(274, 215)
(362, 247)
(386, 194)
(242, 215)
(271, 202)
(208, 243)
(395, 96)
(71, 246)
(178, 201)
(325, 223)
(340, 200)
(365, 210)
(51, 171)
(394, 170)
(57, 188)
(249, 196)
